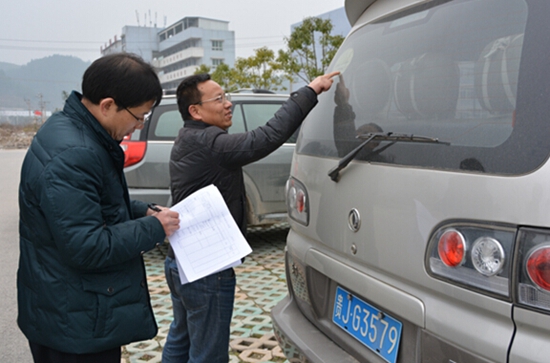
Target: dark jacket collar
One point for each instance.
(195, 124)
(76, 110)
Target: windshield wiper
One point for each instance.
(379, 136)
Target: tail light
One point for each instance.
(297, 201)
(507, 262)
(488, 256)
(474, 256)
(538, 267)
(451, 248)
(534, 268)
(134, 151)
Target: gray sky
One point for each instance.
(32, 29)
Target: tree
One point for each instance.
(223, 75)
(311, 48)
(260, 70)
(203, 68)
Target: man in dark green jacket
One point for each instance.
(82, 289)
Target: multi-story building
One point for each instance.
(140, 40)
(177, 50)
(190, 42)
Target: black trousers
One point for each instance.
(42, 354)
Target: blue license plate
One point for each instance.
(375, 329)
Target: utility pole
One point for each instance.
(42, 105)
(28, 102)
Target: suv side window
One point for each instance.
(257, 114)
(167, 121)
(168, 125)
(164, 125)
(237, 121)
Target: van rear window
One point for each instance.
(472, 73)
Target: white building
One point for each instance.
(23, 117)
(139, 40)
(190, 42)
(177, 50)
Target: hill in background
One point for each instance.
(8, 66)
(49, 76)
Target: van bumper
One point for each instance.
(300, 340)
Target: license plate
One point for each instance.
(375, 329)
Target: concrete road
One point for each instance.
(13, 344)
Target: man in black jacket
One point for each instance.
(203, 154)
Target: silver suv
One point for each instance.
(147, 153)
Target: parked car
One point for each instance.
(147, 154)
(419, 195)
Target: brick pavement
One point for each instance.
(261, 283)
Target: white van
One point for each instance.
(419, 195)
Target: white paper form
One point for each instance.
(208, 239)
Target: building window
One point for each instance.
(191, 23)
(217, 45)
(217, 61)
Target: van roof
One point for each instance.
(355, 8)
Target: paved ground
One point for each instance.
(260, 285)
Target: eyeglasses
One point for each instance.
(219, 99)
(143, 119)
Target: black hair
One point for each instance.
(125, 77)
(188, 93)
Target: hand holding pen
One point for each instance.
(169, 219)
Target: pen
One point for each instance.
(154, 207)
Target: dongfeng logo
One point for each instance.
(354, 220)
